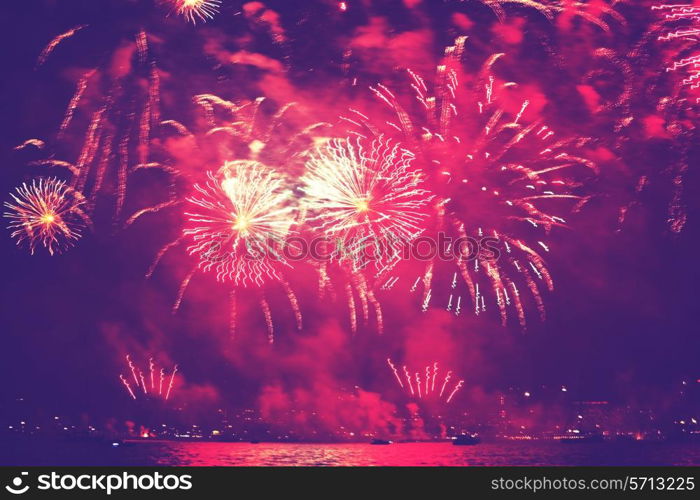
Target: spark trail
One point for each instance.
(142, 382)
(425, 388)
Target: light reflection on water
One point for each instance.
(416, 454)
(43, 452)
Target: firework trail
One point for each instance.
(359, 295)
(120, 97)
(160, 382)
(682, 23)
(427, 379)
(366, 198)
(396, 373)
(44, 56)
(435, 372)
(141, 382)
(497, 175)
(119, 129)
(655, 104)
(427, 391)
(679, 32)
(454, 391)
(128, 387)
(408, 379)
(444, 384)
(170, 384)
(151, 366)
(597, 13)
(132, 367)
(47, 212)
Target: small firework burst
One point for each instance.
(367, 200)
(194, 10)
(48, 213)
(239, 217)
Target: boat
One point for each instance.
(380, 441)
(120, 443)
(466, 440)
(582, 439)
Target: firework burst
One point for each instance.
(243, 210)
(368, 201)
(238, 219)
(194, 10)
(497, 174)
(238, 223)
(48, 213)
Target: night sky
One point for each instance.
(621, 323)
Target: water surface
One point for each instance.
(291, 454)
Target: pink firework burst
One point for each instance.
(367, 198)
(235, 225)
(47, 213)
(498, 173)
(237, 216)
(237, 221)
(196, 10)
